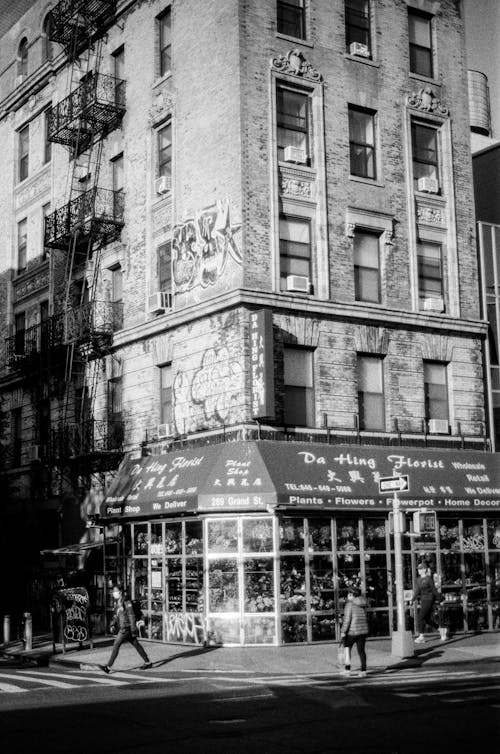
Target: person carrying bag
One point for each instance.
(354, 630)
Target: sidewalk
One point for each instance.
(310, 658)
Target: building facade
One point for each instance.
(242, 226)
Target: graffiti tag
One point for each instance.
(186, 627)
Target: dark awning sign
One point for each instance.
(255, 475)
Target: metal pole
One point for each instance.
(28, 632)
(402, 640)
(6, 629)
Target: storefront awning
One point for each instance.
(256, 475)
(77, 549)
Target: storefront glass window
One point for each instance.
(473, 536)
(194, 585)
(374, 530)
(223, 585)
(259, 630)
(173, 538)
(323, 627)
(292, 534)
(449, 536)
(194, 538)
(322, 586)
(259, 585)
(292, 584)
(349, 572)
(225, 630)
(376, 579)
(495, 589)
(257, 535)
(348, 535)
(320, 534)
(294, 629)
(222, 535)
(174, 584)
(140, 539)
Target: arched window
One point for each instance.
(48, 45)
(22, 58)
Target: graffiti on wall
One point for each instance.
(214, 393)
(185, 627)
(201, 247)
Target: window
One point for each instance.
(165, 267)
(294, 125)
(166, 393)
(362, 142)
(165, 42)
(117, 296)
(22, 58)
(165, 151)
(22, 245)
(420, 35)
(47, 149)
(45, 214)
(435, 390)
(366, 266)
(17, 430)
(295, 248)
(298, 405)
(424, 141)
(292, 18)
(19, 333)
(24, 146)
(117, 183)
(119, 74)
(430, 271)
(371, 393)
(44, 325)
(48, 46)
(115, 398)
(357, 25)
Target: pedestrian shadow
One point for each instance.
(184, 655)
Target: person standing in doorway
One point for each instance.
(426, 592)
(355, 629)
(124, 623)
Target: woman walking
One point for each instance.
(426, 591)
(124, 621)
(355, 629)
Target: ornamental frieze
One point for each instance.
(426, 101)
(31, 285)
(295, 187)
(161, 107)
(430, 215)
(295, 63)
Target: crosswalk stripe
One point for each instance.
(105, 681)
(9, 688)
(44, 681)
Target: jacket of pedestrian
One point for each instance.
(355, 621)
(425, 589)
(124, 618)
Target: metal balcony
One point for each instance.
(96, 217)
(89, 446)
(92, 110)
(26, 348)
(91, 326)
(74, 23)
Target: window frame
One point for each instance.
(48, 49)
(22, 245)
(365, 146)
(23, 157)
(22, 58)
(282, 126)
(118, 56)
(45, 213)
(284, 8)
(351, 28)
(162, 280)
(161, 163)
(164, 48)
(47, 148)
(421, 246)
(418, 159)
(414, 13)
(166, 407)
(358, 268)
(429, 401)
(309, 407)
(369, 395)
(306, 222)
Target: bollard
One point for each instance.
(6, 629)
(28, 631)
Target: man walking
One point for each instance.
(124, 622)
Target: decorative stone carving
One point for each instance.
(31, 284)
(426, 101)
(296, 64)
(350, 230)
(430, 215)
(161, 107)
(295, 187)
(33, 189)
(370, 339)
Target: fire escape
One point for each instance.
(76, 233)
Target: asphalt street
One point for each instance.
(395, 710)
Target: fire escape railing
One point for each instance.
(79, 439)
(80, 19)
(92, 320)
(97, 212)
(92, 110)
(26, 346)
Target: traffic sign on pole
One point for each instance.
(394, 484)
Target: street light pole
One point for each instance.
(402, 640)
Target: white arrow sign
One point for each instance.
(394, 484)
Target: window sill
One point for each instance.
(429, 196)
(361, 59)
(296, 40)
(297, 166)
(158, 83)
(425, 79)
(367, 181)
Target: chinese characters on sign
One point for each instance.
(261, 364)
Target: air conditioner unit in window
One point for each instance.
(163, 184)
(357, 48)
(438, 427)
(434, 304)
(33, 453)
(298, 283)
(430, 185)
(164, 430)
(294, 154)
(159, 303)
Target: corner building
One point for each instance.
(260, 266)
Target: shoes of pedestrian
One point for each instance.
(345, 673)
(420, 640)
(147, 665)
(362, 674)
(105, 668)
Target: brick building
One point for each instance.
(239, 268)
